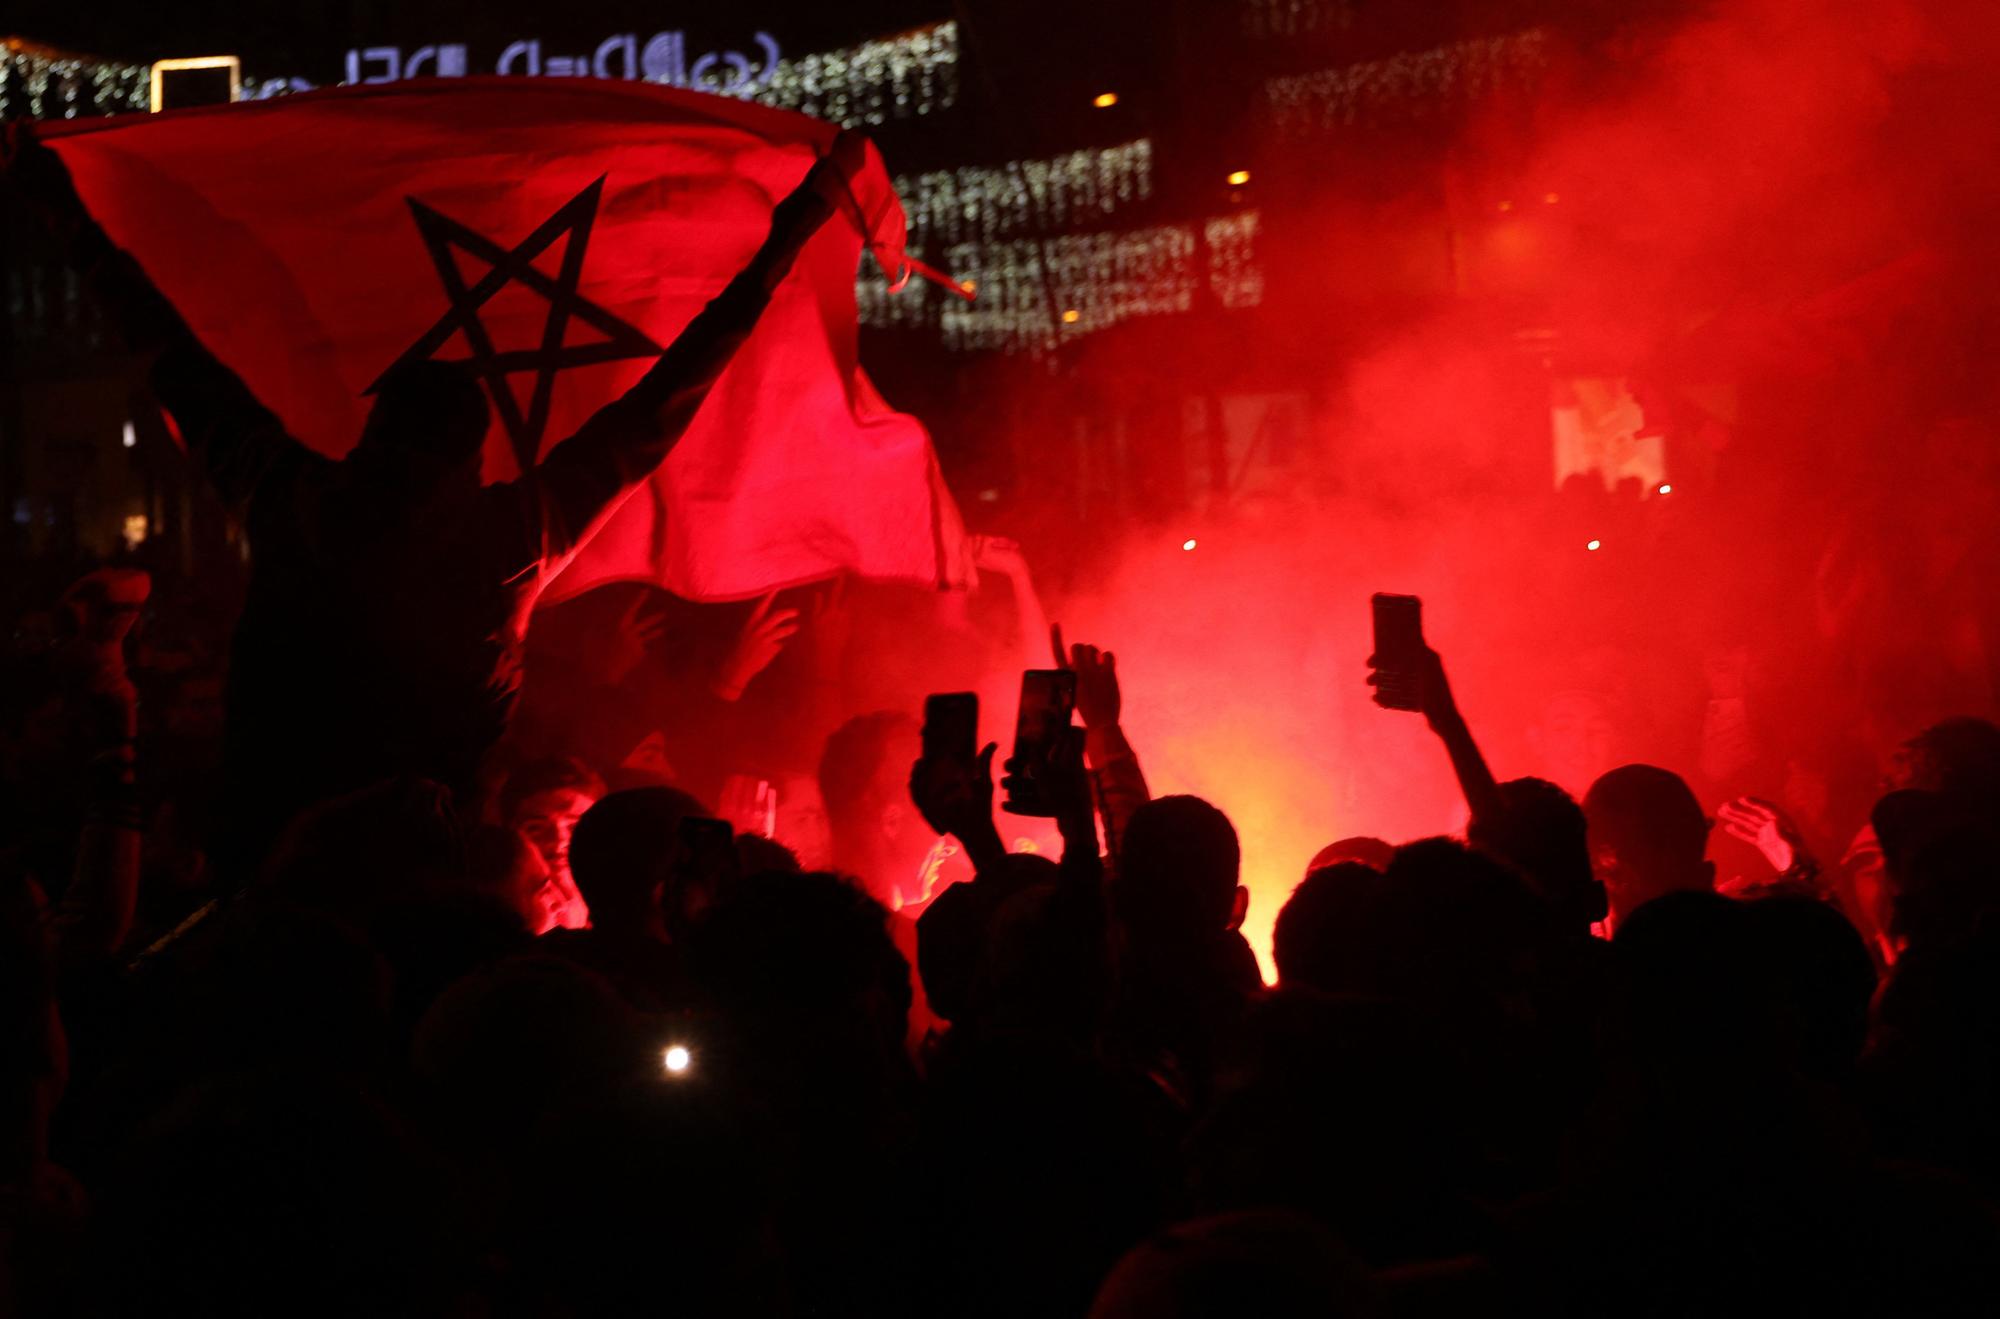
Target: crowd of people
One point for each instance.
(328, 991)
(577, 1047)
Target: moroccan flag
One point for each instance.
(556, 234)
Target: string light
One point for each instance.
(38, 82)
(1238, 178)
(982, 202)
(1105, 278)
(1233, 273)
(901, 77)
(1409, 85)
(1105, 100)
(1295, 18)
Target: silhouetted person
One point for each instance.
(1362, 849)
(1730, 1176)
(1186, 971)
(1648, 837)
(624, 855)
(1326, 936)
(1959, 758)
(864, 774)
(1351, 1110)
(1541, 832)
(1823, 979)
(1530, 824)
(390, 592)
(807, 1000)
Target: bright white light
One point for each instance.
(131, 437)
(1593, 544)
(677, 1059)
(1666, 489)
(1188, 544)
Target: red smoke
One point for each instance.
(1769, 220)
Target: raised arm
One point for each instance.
(235, 439)
(1440, 709)
(629, 438)
(956, 797)
(1118, 783)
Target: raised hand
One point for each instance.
(1434, 697)
(1440, 710)
(642, 624)
(1765, 827)
(1098, 699)
(834, 174)
(762, 637)
(750, 805)
(997, 554)
(955, 796)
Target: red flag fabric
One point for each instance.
(557, 234)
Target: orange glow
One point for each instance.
(1105, 100)
(1238, 178)
(1072, 316)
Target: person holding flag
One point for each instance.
(390, 591)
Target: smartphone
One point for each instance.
(1048, 698)
(1399, 646)
(951, 726)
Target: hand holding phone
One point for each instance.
(1400, 652)
(951, 726)
(1048, 699)
(952, 783)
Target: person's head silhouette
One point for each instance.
(1648, 837)
(433, 412)
(1541, 832)
(1178, 872)
(1326, 936)
(623, 854)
